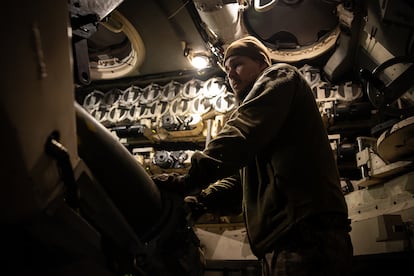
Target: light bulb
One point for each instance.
(200, 61)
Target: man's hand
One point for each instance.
(194, 207)
(173, 182)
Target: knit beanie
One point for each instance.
(248, 46)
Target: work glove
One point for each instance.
(194, 207)
(172, 182)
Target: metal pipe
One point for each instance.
(123, 178)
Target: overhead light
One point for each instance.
(200, 61)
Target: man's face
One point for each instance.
(242, 72)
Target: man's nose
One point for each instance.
(231, 73)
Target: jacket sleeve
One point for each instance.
(251, 127)
(224, 197)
